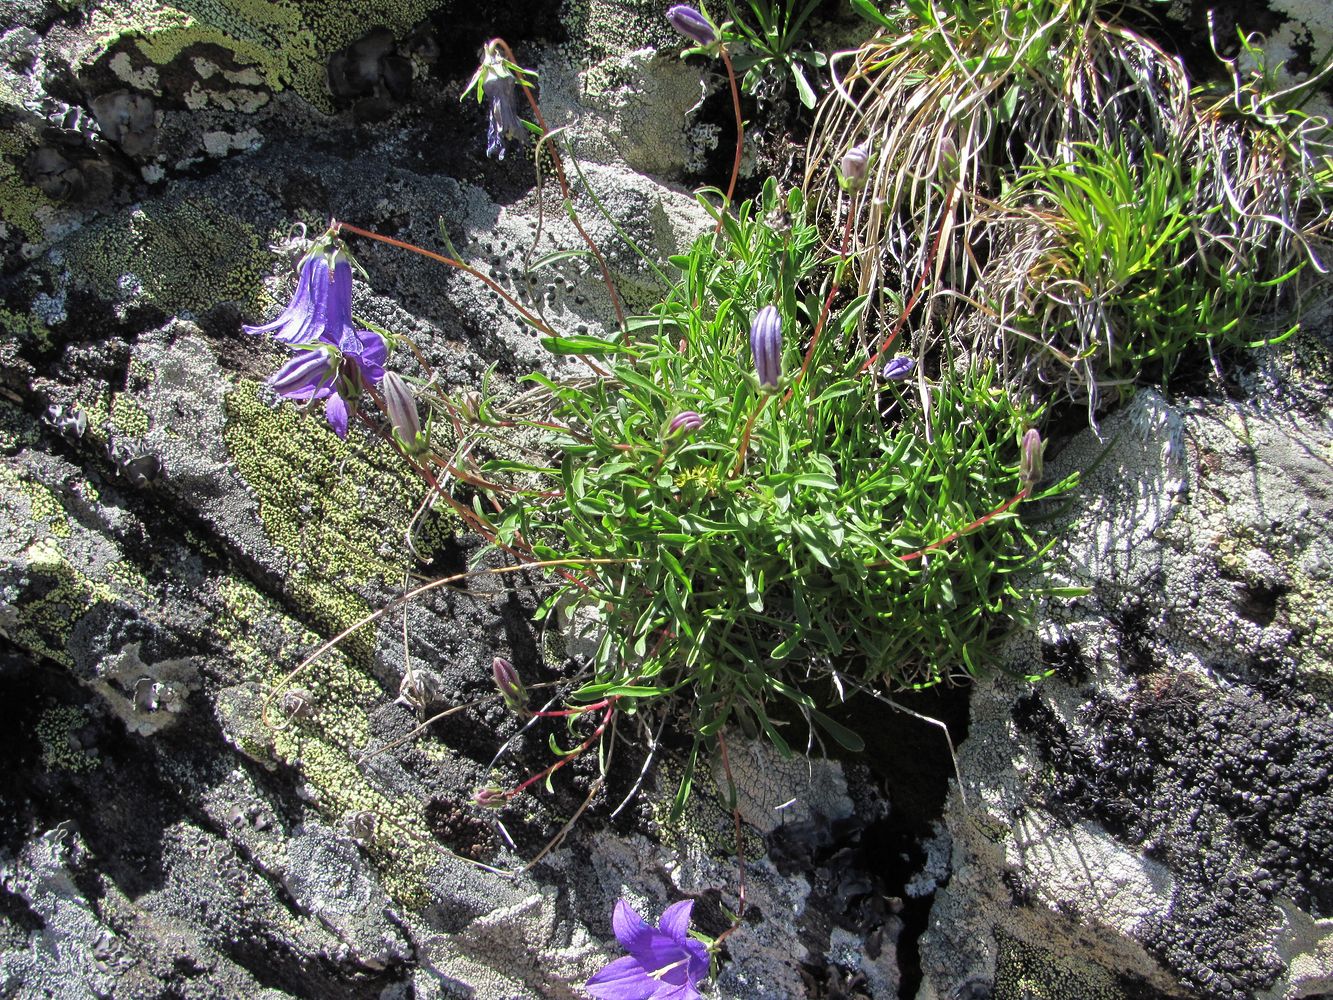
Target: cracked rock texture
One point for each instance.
(182, 816)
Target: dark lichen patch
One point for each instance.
(1064, 659)
(1024, 971)
(1230, 792)
(459, 827)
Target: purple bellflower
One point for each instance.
(898, 369)
(321, 306)
(335, 361)
(337, 375)
(664, 962)
(693, 25)
(502, 121)
(766, 347)
(509, 684)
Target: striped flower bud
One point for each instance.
(489, 798)
(686, 422)
(401, 406)
(766, 347)
(898, 369)
(1029, 461)
(509, 685)
(693, 25)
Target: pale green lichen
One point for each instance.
(288, 43)
(338, 510)
(322, 746)
(59, 596)
(56, 732)
(44, 508)
(21, 205)
(183, 257)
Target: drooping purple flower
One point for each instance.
(310, 372)
(664, 962)
(766, 346)
(336, 375)
(321, 306)
(898, 369)
(693, 25)
(686, 422)
(490, 797)
(502, 121)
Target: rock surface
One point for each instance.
(1153, 820)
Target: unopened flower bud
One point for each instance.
(470, 404)
(1029, 462)
(510, 686)
(855, 164)
(693, 25)
(298, 703)
(401, 406)
(489, 797)
(898, 369)
(686, 422)
(766, 346)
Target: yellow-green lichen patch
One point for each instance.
(186, 256)
(289, 43)
(57, 728)
(57, 597)
(1026, 972)
(339, 510)
(323, 744)
(22, 206)
(44, 509)
(128, 418)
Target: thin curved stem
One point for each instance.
(740, 135)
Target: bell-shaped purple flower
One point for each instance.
(311, 372)
(898, 369)
(321, 306)
(693, 25)
(401, 406)
(502, 122)
(766, 347)
(664, 962)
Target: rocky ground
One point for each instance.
(1153, 820)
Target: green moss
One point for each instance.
(56, 731)
(182, 256)
(1026, 972)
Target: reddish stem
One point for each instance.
(740, 135)
(823, 313)
(920, 284)
(559, 167)
(745, 436)
(959, 533)
(601, 728)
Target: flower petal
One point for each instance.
(698, 964)
(680, 991)
(632, 931)
(623, 979)
(675, 922)
(335, 409)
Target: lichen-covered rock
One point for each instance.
(1161, 808)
